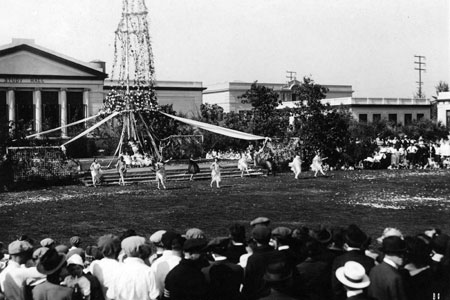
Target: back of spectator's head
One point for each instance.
(282, 235)
(355, 237)
(172, 241)
(393, 245)
(237, 232)
(322, 235)
(389, 231)
(48, 242)
(156, 237)
(195, 245)
(338, 237)
(439, 243)
(419, 251)
(75, 241)
(133, 246)
(194, 233)
(261, 234)
(278, 273)
(260, 221)
(109, 245)
(218, 245)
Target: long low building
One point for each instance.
(43, 89)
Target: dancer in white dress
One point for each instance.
(296, 166)
(160, 170)
(242, 165)
(96, 172)
(316, 165)
(215, 173)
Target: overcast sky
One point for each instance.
(364, 43)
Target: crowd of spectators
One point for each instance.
(404, 153)
(271, 263)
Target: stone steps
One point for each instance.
(145, 175)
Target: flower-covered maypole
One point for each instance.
(133, 72)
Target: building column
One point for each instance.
(62, 99)
(86, 102)
(11, 100)
(37, 101)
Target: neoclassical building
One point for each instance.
(45, 89)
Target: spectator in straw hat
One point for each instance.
(355, 241)
(387, 282)
(15, 276)
(52, 265)
(105, 268)
(132, 279)
(355, 280)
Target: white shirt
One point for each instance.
(12, 285)
(131, 281)
(83, 283)
(104, 269)
(159, 270)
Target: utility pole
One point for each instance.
(419, 68)
(291, 75)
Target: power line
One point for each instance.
(419, 68)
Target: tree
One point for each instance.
(319, 126)
(266, 119)
(441, 87)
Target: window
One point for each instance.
(420, 117)
(392, 118)
(50, 111)
(408, 119)
(24, 109)
(376, 118)
(363, 118)
(448, 117)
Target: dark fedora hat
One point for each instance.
(322, 235)
(354, 236)
(51, 262)
(277, 271)
(393, 245)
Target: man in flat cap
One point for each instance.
(155, 239)
(13, 278)
(132, 280)
(387, 283)
(260, 221)
(172, 244)
(105, 268)
(186, 281)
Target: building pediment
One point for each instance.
(29, 61)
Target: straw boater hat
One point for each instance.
(353, 275)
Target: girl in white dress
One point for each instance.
(242, 165)
(215, 173)
(316, 165)
(160, 170)
(96, 172)
(296, 166)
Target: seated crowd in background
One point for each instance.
(272, 263)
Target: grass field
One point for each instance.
(409, 200)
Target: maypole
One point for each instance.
(133, 70)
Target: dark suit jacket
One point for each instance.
(360, 297)
(386, 283)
